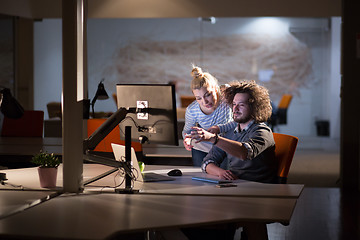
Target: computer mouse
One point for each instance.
(175, 172)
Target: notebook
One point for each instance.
(119, 153)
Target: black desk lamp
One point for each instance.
(100, 94)
(11, 108)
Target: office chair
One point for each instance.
(31, 124)
(285, 146)
(54, 109)
(279, 115)
(186, 100)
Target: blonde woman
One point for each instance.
(208, 111)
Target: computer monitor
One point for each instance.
(154, 120)
(146, 112)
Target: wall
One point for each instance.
(108, 38)
(47, 63)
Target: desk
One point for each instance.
(167, 155)
(97, 216)
(81, 216)
(29, 145)
(184, 185)
(166, 151)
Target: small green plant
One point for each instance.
(46, 160)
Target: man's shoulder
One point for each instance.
(260, 125)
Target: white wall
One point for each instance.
(333, 108)
(318, 100)
(47, 63)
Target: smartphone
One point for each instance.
(225, 185)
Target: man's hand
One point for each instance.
(200, 135)
(227, 174)
(214, 129)
(212, 169)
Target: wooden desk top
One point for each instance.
(15, 201)
(179, 203)
(184, 185)
(97, 216)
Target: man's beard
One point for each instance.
(242, 119)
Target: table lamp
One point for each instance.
(100, 94)
(11, 108)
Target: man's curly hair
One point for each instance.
(259, 100)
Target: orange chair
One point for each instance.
(31, 124)
(112, 137)
(279, 115)
(282, 108)
(285, 146)
(186, 100)
(285, 101)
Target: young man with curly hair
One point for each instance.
(249, 148)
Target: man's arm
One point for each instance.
(212, 169)
(232, 147)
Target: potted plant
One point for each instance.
(47, 170)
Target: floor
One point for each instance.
(322, 211)
(315, 168)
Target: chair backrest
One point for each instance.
(186, 100)
(112, 137)
(281, 112)
(54, 109)
(285, 101)
(31, 124)
(285, 146)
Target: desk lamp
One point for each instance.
(11, 108)
(100, 94)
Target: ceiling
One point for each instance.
(38, 9)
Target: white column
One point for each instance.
(74, 74)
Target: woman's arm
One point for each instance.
(189, 122)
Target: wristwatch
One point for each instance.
(216, 139)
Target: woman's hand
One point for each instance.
(187, 142)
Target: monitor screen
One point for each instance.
(155, 119)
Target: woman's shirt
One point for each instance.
(222, 117)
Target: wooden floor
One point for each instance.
(321, 213)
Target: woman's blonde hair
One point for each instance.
(202, 79)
